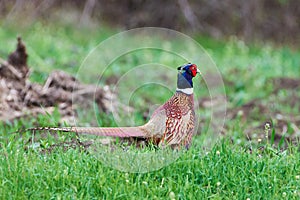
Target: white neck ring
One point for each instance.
(186, 90)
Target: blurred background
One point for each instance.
(253, 43)
(270, 20)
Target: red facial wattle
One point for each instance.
(193, 69)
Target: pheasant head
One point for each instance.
(184, 80)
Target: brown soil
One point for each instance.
(20, 98)
(286, 83)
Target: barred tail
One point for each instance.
(122, 132)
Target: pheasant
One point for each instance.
(171, 124)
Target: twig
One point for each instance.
(10, 68)
(189, 14)
(87, 11)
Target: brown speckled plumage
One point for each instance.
(180, 119)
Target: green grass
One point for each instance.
(229, 170)
(225, 172)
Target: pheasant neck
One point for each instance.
(184, 83)
(188, 91)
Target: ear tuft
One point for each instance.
(179, 68)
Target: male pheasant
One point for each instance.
(171, 124)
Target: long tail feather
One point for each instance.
(122, 132)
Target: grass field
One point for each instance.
(243, 164)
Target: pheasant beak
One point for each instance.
(198, 71)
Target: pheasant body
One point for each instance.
(171, 124)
